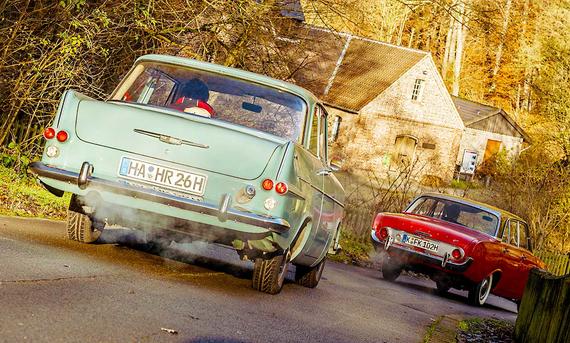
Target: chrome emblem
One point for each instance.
(422, 234)
(171, 140)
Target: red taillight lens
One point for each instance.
(62, 136)
(281, 188)
(456, 254)
(267, 184)
(383, 234)
(49, 133)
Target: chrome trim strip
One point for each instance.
(278, 225)
(321, 191)
(280, 169)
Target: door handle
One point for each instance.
(325, 171)
(505, 250)
(523, 258)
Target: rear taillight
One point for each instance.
(383, 233)
(267, 184)
(62, 136)
(281, 188)
(49, 133)
(457, 254)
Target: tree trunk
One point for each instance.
(461, 33)
(411, 37)
(499, 54)
(446, 54)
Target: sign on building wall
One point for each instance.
(469, 162)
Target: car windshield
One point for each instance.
(216, 96)
(456, 212)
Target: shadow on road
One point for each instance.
(452, 295)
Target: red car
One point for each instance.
(459, 244)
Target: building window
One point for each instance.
(418, 90)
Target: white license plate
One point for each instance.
(163, 176)
(418, 242)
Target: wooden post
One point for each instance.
(544, 314)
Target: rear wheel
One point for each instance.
(309, 276)
(442, 287)
(391, 269)
(269, 275)
(479, 293)
(79, 225)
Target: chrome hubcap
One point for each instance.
(485, 289)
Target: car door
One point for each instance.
(321, 232)
(331, 214)
(528, 261)
(510, 260)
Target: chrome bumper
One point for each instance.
(83, 179)
(440, 262)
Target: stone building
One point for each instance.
(395, 107)
(488, 130)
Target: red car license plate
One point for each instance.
(420, 243)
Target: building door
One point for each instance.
(493, 147)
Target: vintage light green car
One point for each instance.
(189, 150)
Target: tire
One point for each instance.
(441, 288)
(79, 225)
(390, 270)
(479, 293)
(309, 276)
(269, 275)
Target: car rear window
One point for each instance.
(456, 212)
(219, 97)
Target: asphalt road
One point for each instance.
(54, 290)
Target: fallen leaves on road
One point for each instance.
(170, 331)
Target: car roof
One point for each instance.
(486, 207)
(239, 73)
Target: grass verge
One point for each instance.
(479, 330)
(23, 196)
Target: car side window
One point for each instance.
(506, 232)
(323, 134)
(318, 138)
(313, 139)
(523, 236)
(513, 233)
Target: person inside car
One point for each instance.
(193, 98)
(451, 213)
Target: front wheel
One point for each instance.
(479, 293)
(269, 275)
(309, 276)
(390, 270)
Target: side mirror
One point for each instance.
(336, 128)
(335, 164)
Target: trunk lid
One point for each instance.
(437, 229)
(201, 143)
